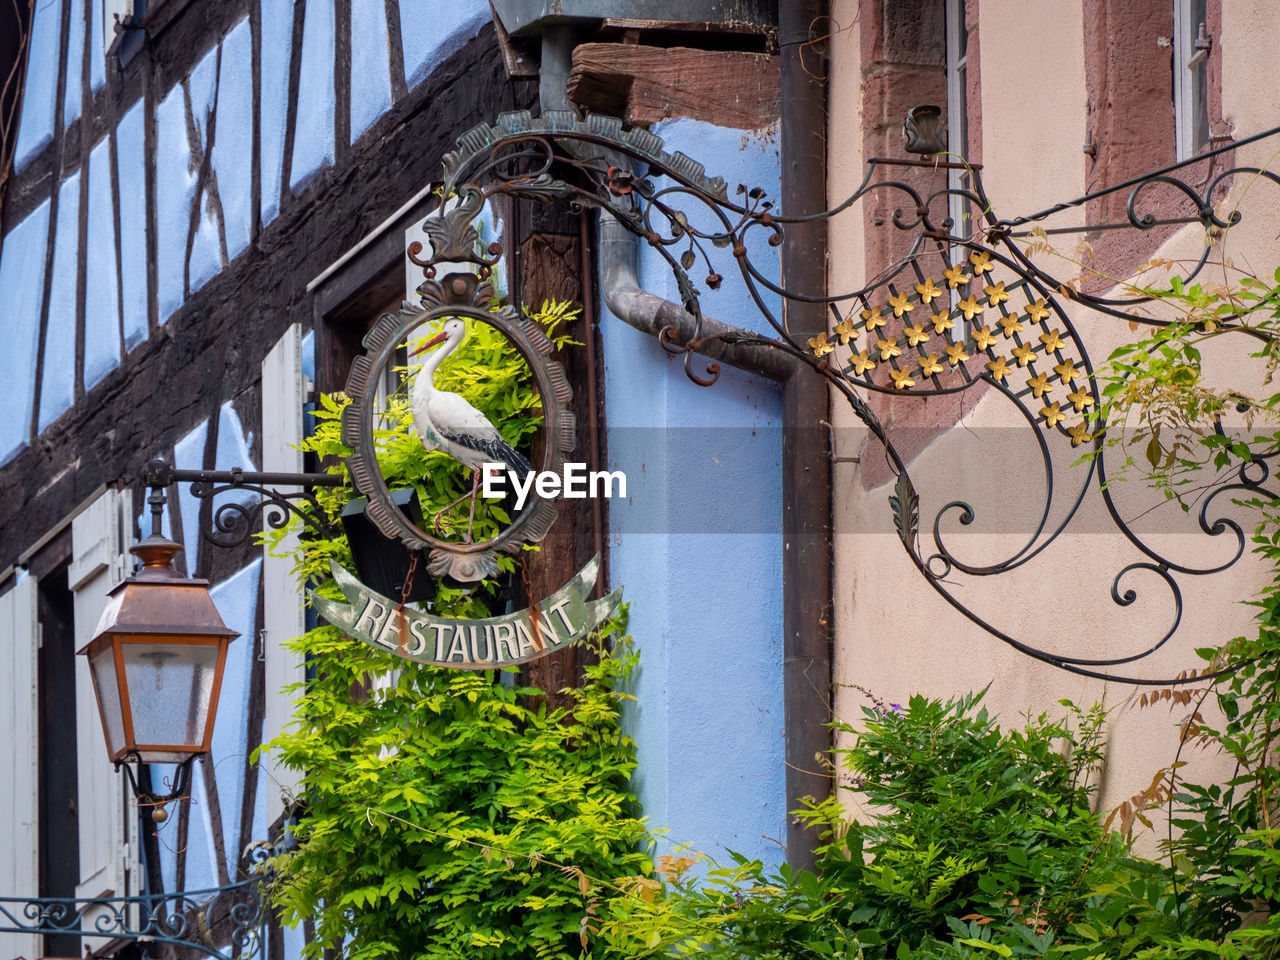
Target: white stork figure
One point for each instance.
(448, 423)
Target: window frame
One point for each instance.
(1190, 79)
(957, 116)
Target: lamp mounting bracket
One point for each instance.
(233, 522)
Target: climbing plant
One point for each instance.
(444, 814)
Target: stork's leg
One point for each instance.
(475, 478)
(471, 518)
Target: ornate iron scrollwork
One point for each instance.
(223, 922)
(951, 314)
(233, 522)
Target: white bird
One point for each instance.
(448, 423)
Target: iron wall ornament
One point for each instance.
(467, 296)
(952, 313)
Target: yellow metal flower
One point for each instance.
(1053, 413)
(929, 365)
(1081, 398)
(872, 318)
(955, 277)
(995, 293)
(900, 305)
(942, 321)
(984, 338)
(1011, 325)
(902, 379)
(999, 368)
(862, 363)
(1067, 370)
(1079, 433)
(915, 334)
(888, 348)
(1037, 311)
(820, 345)
(845, 330)
(955, 354)
(1039, 385)
(927, 291)
(981, 262)
(970, 306)
(1025, 354)
(1052, 341)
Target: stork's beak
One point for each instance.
(437, 339)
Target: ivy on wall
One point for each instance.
(445, 814)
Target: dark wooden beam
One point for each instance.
(644, 84)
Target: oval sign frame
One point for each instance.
(458, 295)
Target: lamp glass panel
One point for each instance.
(103, 666)
(169, 689)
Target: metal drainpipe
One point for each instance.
(649, 313)
(806, 477)
(618, 249)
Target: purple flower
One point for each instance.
(895, 707)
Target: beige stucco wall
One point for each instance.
(895, 635)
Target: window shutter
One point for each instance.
(19, 864)
(283, 615)
(99, 535)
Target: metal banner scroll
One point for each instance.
(564, 618)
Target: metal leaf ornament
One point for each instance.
(905, 504)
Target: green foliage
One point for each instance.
(1226, 846)
(445, 816)
(974, 841)
(448, 813)
(1157, 399)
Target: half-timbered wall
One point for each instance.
(157, 206)
(193, 238)
(160, 229)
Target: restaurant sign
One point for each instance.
(563, 618)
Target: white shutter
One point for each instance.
(283, 615)
(99, 535)
(19, 839)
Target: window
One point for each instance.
(1190, 76)
(958, 115)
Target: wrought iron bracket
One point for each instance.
(233, 523)
(960, 306)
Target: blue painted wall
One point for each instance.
(233, 148)
(39, 98)
(277, 39)
(133, 225)
(370, 76)
(313, 133)
(21, 268)
(57, 385)
(75, 59)
(704, 514)
(430, 30)
(697, 548)
(102, 296)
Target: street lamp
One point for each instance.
(156, 661)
